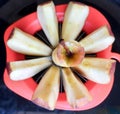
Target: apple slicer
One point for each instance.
(26, 87)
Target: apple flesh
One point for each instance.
(98, 40)
(47, 91)
(76, 92)
(27, 44)
(48, 20)
(20, 70)
(68, 54)
(74, 20)
(98, 70)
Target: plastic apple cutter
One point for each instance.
(26, 87)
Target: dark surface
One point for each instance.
(12, 10)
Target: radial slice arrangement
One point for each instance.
(65, 56)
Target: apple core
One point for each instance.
(68, 54)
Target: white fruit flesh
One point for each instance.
(20, 70)
(97, 69)
(97, 40)
(68, 54)
(76, 92)
(47, 91)
(48, 20)
(27, 44)
(74, 20)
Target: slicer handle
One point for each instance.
(115, 56)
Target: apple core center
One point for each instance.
(68, 54)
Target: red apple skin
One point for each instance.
(112, 70)
(42, 103)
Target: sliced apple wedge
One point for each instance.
(74, 20)
(20, 70)
(97, 40)
(68, 54)
(27, 44)
(47, 91)
(48, 20)
(97, 69)
(76, 92)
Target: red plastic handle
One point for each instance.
(115, 56)
(108, 54)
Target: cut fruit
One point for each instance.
(98, 40)
(76, 92)
(20, 70)
(73, 25)
(68, 54)
(47, 91)
(48, 20)
(27, 44)
(97, 69)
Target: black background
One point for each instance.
(12, 10)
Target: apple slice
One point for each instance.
(98, 70)
(97, 40)
(20, 70)
(68, 54)
(48, 20)
(47, 91)
(27, 44)
(74, 20)
(76, 92)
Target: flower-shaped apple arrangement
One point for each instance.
(65, 55)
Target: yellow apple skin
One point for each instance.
(68, 54)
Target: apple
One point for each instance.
(47, 91)
(98, 40)
(76, 92)
(98, 70)
(20, 70)
(27, 44)
(48, 20)
(68, 54)
(74, 20)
